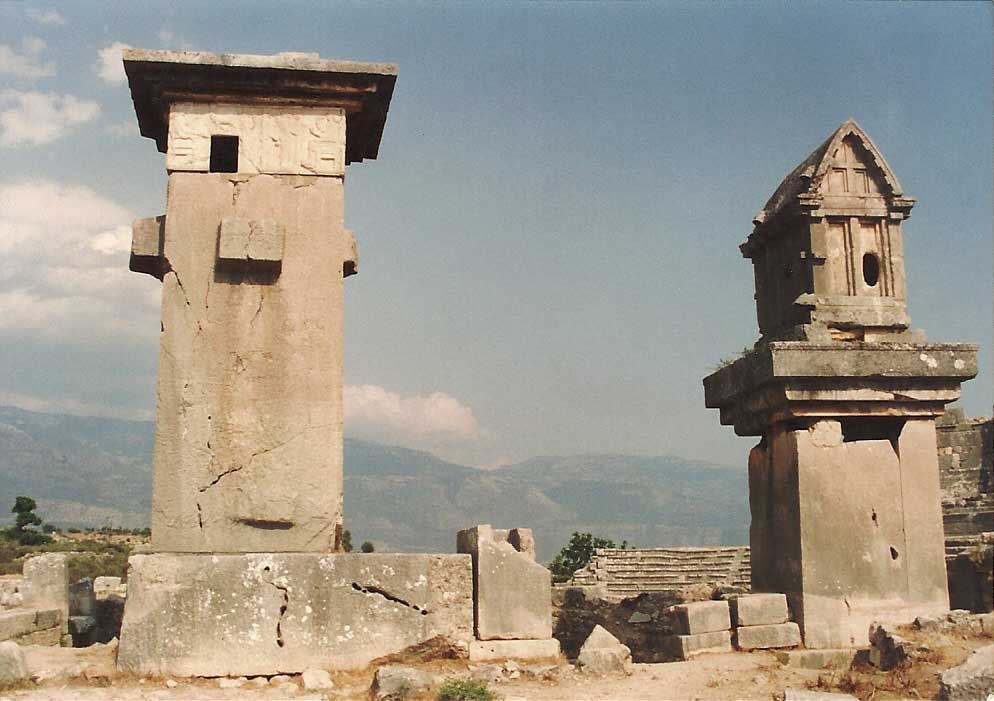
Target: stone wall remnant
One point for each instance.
(844, 395)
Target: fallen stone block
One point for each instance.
(767, 637)
(974, 679)
(602, 653)
(685, 646)
(700, 617)
(398, 683)
(808, 695)
(816, 659)
(758, 609)
(485, 650)
(888, 649)
(13, 667)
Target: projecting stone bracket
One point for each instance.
(253, 241)
(147, 236)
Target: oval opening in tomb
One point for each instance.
(871, 269)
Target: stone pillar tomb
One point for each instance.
(245, 577)
(844, 483)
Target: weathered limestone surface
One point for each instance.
(701, 617)
(248, 452)
(758, 609)
(291, 141)
(974, 679)
(17, 624)
(512, 592)
(484, 650)
(845, 396)
(767, 636)
(13, 666)
(684, 646)
(252, 614)
(602, 653)
(46, 585)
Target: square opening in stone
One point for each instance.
(224, 154)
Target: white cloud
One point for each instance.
(414, 418)
(50, 17)
(67, 405)
(65, 276)
(38, 118)
(109, 66)
(26, 65)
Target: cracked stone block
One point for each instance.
(513, 592)
(248, 448)
(700, 617)
(758, 609)
(288, 612)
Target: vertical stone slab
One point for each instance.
(921, 496)
(46, 585)
(512, 594)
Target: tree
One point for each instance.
(367, 547)
(347, 540)
(25, 507)
(577, 554)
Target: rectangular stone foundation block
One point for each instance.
(274, 613)
(766, 637)
(759, 609)
(481, 650)
(701, 617)
(816, 659)
(685, 646)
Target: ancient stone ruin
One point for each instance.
(247, 490)
(844, 483)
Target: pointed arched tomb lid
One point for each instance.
(808, 176)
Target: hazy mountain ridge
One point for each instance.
(95, 472)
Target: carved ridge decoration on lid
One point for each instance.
(807, 177)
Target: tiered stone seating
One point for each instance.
(631, 572)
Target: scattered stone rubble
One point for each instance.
(974, 679)
(602, 653)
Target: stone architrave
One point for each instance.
(844, 483)
(512, 593)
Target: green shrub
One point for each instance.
(456, 689)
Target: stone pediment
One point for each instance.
(848, 163)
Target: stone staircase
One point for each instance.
(632, 572)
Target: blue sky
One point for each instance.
(549, 237)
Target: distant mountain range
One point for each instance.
(98, 472)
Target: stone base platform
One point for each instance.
(485, 650)
(275, 613)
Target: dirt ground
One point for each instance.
(755, 675)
